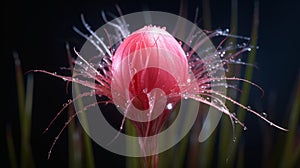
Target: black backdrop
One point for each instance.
(39, 30)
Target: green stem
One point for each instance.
(287, 157)
(11, 148)
(25, 110)
(224, 131)
(90, 162)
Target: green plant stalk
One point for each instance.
(166, 158)
(225, 124)
(90, 162)
(25, 109)
(71, 132)
(74, 146)
(241, 156)
(206, 14)
(248, 75)
(208, 151)
(288, 158)
(180, 154)
(296, 158)
(74, 138)
(208, 146)
(131, 162)
(21, 101)
(11, 148)
(86, 139)
(27, 119)
(244, 97)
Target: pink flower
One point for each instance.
(148, 74)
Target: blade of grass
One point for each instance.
(241, 156)
(11, 148)
(71, 132)
(181, 152)
(21, 101)
(75, 157)
(248, 73)
(224, 142)
(89, 156)
(27, 120)
(296, 158)
(245, 88)
(207, 147)
(75, 143)
(288, 153)
(25, 110)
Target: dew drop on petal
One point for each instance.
(169, 106)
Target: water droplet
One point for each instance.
(234, 139)
(265, 115)
(185, 95)
(169, 106)
(245, 128)
(133, 70)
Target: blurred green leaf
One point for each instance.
(288, 157)
(89, 156)
(25, 110)
(11, 148)
(225, 140)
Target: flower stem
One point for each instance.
(151, 161)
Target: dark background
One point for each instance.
(39, 30)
